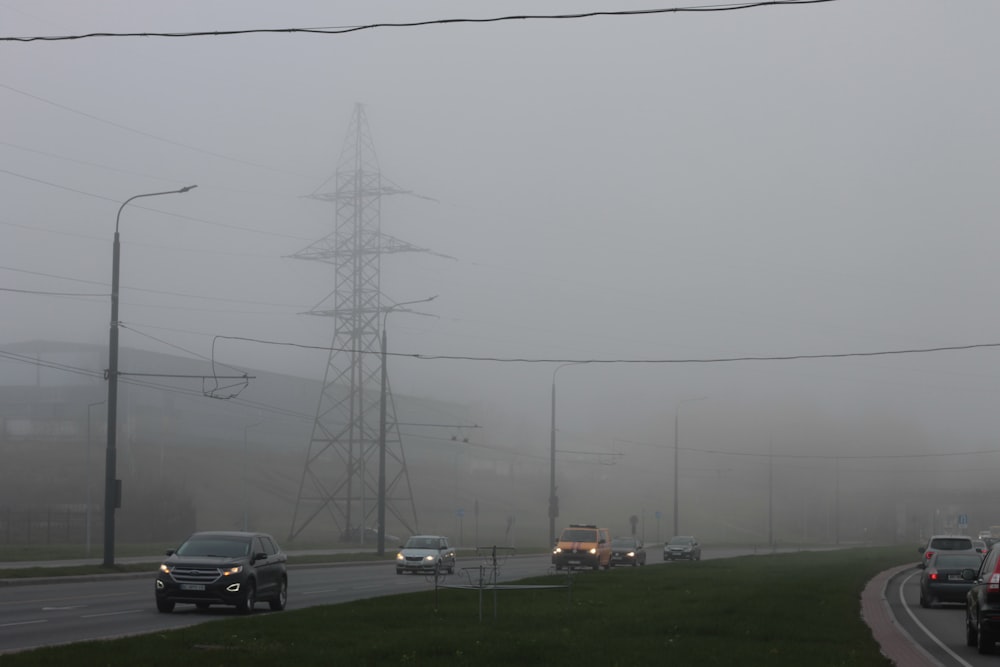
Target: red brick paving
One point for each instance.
(895, 642)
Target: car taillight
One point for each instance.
(928, 554)
(933, 576)
(994, 585)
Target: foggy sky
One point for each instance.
(767, 182)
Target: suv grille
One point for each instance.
(195, 575)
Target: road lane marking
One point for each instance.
(68, 608)
(16, 623)
(111, 613)
(923, 627)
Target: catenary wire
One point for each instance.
(429, 22)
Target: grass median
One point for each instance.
(784, 609)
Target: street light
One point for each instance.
(89, 406)
(677, 411)
(112, 496)
(553, 500)
(380, 540)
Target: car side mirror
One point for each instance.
(921, 550)
(170, 552)
(260, 555)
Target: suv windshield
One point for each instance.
(623, 542)
(579, 535)
(215, 546)
(680, 540)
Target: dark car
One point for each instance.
(945, 543)
(627, 551)
(682, 547)
(942, 581)
(982, 602)
(230, 568)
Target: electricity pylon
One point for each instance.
(340, 477)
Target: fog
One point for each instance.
(662, 196)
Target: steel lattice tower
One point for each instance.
(340, 474)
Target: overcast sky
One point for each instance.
(783, 180)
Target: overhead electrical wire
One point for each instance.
(340, 30)
(706, 360)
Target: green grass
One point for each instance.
(786, 609)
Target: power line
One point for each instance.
(203, 151)
(710, 360)
(415, 24)
(190, 218)
(840, 457)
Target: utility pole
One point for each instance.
(347, 434)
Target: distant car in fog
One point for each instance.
(627, 551)
(945, 543)
(980, 546)
(682, 547)
(426, 553)
(941, 580)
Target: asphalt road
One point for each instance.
(107, 606)
(940, 631)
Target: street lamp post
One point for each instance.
(383, 392)
(111, 486)
(553, 499)
(87, 530)
(677, 411)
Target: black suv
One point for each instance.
(982, 603)
(230, 568)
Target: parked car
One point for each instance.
(426, 553)
(942, 580)
(682, 547)
(982, 602)
(582, 545)
(945, 543)
(980, 546)
(627, 551)
(227, 567)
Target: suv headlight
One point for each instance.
(164, 568)
(557, 551)
(230, 571)
(400, 556)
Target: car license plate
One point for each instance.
(574, 562)
(954, 577)
(192, 587)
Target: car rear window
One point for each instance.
(957, 561)
(950, 543)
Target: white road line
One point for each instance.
(11, 625)
(923, 627)
(112, 613)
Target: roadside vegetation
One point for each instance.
(785, 609)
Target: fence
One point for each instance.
(46, 525)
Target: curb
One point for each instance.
(895, 643)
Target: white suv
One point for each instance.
(949, 543)
(426, 553)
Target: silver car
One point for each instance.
(426, 553)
